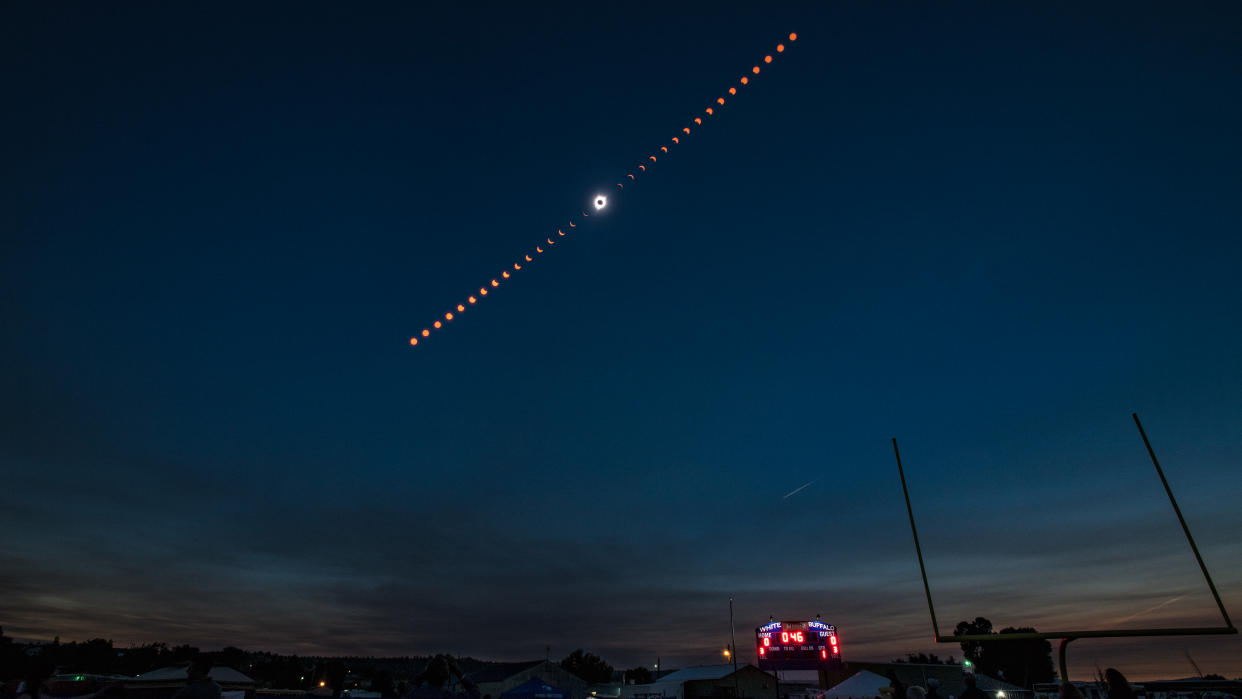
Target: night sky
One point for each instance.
(991, 232)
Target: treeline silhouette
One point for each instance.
(925, 659)
(99, 656)
(387, 676)
(1022, 662)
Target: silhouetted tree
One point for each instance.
(139, 659)
(94, 656)
(235, 658)
(638, 675)
(924, 659)
(1025, 662)
(382, 683)
(973, 650)
(334, 675)
(12, 658)
(283, 673)
(588, 666)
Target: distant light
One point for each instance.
(322, 683)
(726, 652)
(1000, 695)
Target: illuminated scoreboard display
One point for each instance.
(797, 645)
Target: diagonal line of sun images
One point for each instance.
(600, 201)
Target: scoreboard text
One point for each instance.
(797, 645)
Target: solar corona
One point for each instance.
(797, 645)
(599, 201)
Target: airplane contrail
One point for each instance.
(1169, 601)
(795, 490)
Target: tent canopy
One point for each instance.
(535, 688)
(860, 684)
(219, 673)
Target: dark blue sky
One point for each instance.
(992, 232)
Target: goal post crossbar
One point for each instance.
(1067, 636)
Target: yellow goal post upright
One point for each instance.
(1066, 637)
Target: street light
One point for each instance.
(726, 653)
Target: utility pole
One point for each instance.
(733, 637)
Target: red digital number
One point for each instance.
(784, 637)
(799, 637)
(766, 641)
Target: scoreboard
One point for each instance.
(797, 645)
